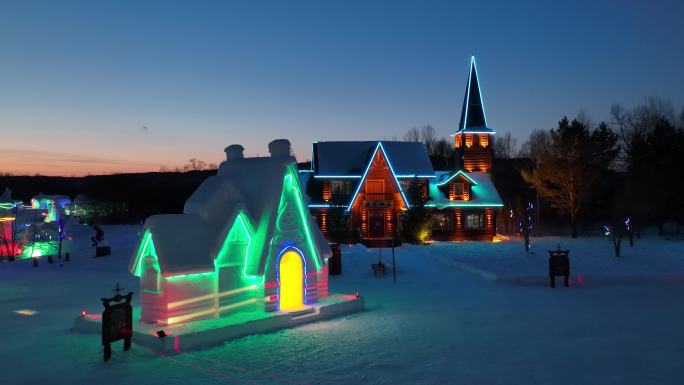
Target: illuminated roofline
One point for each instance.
(147, 236)
(363, 178)
(464, 204)
(473, 132)
(479, 90)
(337, 176)
(455, 175)
(303, 213)
(473, 64)
(415, 176)
(403, 176)
(319, 206)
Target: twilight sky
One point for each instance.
(118, 86)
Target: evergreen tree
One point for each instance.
(571, 166)
(417, 224)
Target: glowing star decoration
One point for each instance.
(291, 278)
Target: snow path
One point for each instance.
(436, 325)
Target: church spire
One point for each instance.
(473, 118)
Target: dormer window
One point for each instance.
(459, 191)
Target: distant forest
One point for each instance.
(580, 176)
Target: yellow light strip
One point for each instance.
(174, 320)
(186, 317)
(237, 304)
(175, 304)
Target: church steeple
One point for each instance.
(473, 116)
(473, 136)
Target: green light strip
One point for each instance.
(293, 183)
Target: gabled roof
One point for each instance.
(473, 117)
(444, 178)
(175, 237)
(350, 158)
(378, 148)
(483, 192)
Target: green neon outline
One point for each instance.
(189, 276)
(249, 233)
(147, 236)
(297, 193)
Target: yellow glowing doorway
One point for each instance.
(291, 281)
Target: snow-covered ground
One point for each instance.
(437, 325)
(651, 259)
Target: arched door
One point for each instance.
(291, 275)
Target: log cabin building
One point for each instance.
(366, 183)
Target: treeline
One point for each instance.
(144, 194)
(618, 176)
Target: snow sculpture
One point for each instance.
(245, 242)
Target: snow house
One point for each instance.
(244, 242)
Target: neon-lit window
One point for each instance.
(475, 221)
(469, 140)
(457, 140)
(484, 140)
(442, 221)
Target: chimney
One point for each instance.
(234, 152)
(279, 148)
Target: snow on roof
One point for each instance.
(483, 191)
(249, 185)
(183, 243)
(351, 158)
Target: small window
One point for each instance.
(151, 277)
(459, 188)
(475, 221)
(339, 187)
(442, 221)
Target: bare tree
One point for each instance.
(572, 164)
(538, 142)
(195, 164)
(505, 146)
(428, 137)
(412, 135)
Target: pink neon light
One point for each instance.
(580, 280)
(270, 285)
(176, 344)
